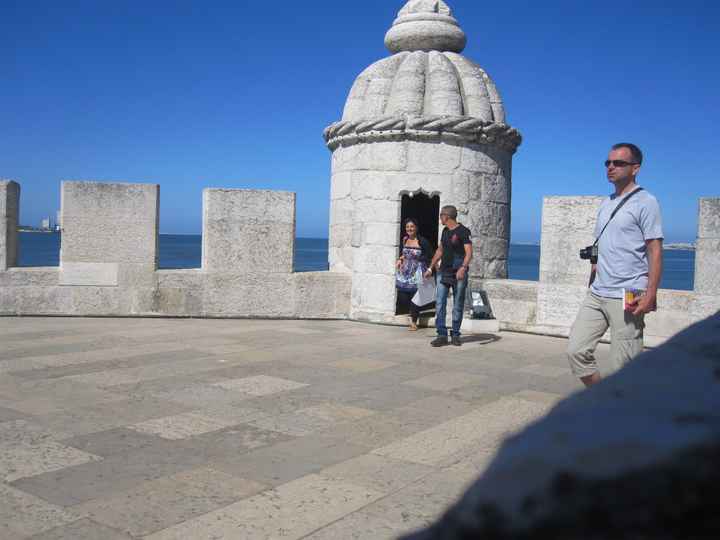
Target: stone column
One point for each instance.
(567, 226)
(707, 259)
(9, 216)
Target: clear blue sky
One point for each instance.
(236, 94)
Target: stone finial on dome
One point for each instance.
(425, 25)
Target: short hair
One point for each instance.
(450, 210)
(635, 152)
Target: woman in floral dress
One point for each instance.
(415, 254)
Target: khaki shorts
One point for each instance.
(596, 315)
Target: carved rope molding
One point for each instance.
(462, 128)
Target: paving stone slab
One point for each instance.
(49, 396)
(286, 461)
(544, 370)
(490, 424)
(232, 442)
(22, 460)
(362, 365)
(23, 515)
(81, 483)
(361, 525)
(170, 500)
(381, 474)
(113, 377)
(260, 385)
(290, 511)
(111, 362)
(115, 441)
(7, 415)
(447, 380)
(104, 416)
(181, 426)
(83, 529)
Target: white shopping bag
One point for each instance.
(425, 292)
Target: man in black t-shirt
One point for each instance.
(455, 251)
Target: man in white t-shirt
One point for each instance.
(629, 258)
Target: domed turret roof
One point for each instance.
(426, 85)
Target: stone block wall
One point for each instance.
(550, 305)
(108, 263)
(567, 226)
(249, 231)
(368, 182)
(9, 217)
(108, 260)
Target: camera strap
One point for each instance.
(617, 209)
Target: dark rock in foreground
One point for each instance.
(637, 457)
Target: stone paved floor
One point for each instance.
(191, 429)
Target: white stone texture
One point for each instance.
(375, 259)
(474, 83)
(478, 158)
(373, 293)
(424, 24)
(381, 234)
(382, 156)
(321, 295)
(707, 251)
(443, 90)
(36, 276)
(709, 217)
(253, 295)
(96, 274)
(408, 87)
(249, 231)
(558, 305)
(705, 305)
(369, 94)
(433, 157)
(180, 292)
(341, 185)
(9, 216)
(567, 226)
(109, 223)
(663, 402)
(369, 210)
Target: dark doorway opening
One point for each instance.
(426, 211)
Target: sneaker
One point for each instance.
(456, 341)
(439, 341)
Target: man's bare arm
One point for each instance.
(466, 262)
(435, 259)
(593, 274)
(648, 302)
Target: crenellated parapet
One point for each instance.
(549, 306)
(109, 255)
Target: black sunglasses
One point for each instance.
(618, 163)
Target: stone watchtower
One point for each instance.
(422, 128)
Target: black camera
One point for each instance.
(590, 252)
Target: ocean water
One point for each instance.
(311, 254)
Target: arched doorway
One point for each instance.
(425, 209)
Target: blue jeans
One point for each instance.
(458, 306)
